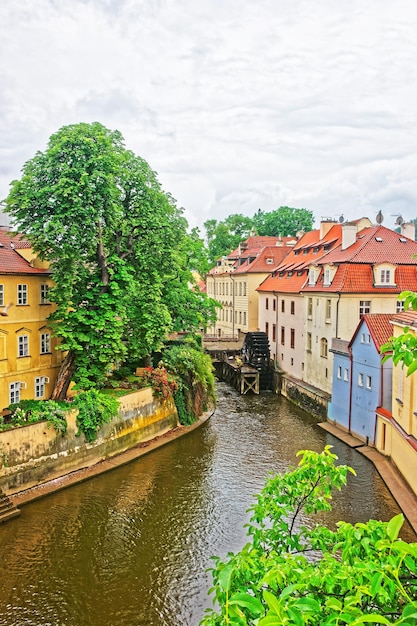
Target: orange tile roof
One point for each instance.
(359, 278)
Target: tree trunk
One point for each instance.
(64, 377)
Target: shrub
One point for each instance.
(94, 410)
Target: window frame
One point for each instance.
(22, 294)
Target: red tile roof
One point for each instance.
(405, 318)
(376, 244)
(10, 260)
(379, 327)
(259, 264)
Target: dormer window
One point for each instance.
(311, 276)
(384, 275)
(269, 261)
(327, 276)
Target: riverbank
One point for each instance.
(44, 489)
(398, 487)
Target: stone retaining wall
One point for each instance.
(33, 454)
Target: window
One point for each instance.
(274, 305)
(240, 288)
(400, 306)
(327, 276)
(274, 332)
(292, 338)
(267, 303)
(309, 342)
(240, 317)
(40, 387)
(323, 347)
(22, 294)
(385, 276)
(311, 276)
(292, 307)
(23, 345)
(244, 318)
(283, 335)
(339, 372)
(364, 307)
(1, 295)
(328, 309)
(269, 261)
(362, 337)
(244, 288)
(14, 393)
(360, 379)
(267, 328)
(369, 382)
(282, 306)
(45, 343)
(310, 308)
(346, 374)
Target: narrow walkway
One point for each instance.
(44, 489)
(397, 485)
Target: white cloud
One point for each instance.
(237, 105)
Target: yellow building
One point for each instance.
(397, 431)
(29, 362)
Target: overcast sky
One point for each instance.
(236, 104)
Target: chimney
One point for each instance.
(325, 226)
(348, 235)
(408, 229)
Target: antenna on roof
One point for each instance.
(379, 218)
(400, 220)
(341, 219)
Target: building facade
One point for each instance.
(28, 360)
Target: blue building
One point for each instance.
(361, 382)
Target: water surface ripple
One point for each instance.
(132, 547)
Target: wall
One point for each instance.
(394, 443)
(34, 454)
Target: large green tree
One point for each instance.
(284, 221)
(115, 243)
(295, 574)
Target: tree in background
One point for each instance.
(284, 221)
(224, 236)
(289, 573)
(116, 244)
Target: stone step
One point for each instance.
(7, 509)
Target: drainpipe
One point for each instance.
(350, 390)
(276, 329)
(337, 315)
(233, 305)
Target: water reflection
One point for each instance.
(131, 547)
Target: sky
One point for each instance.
(238, 105)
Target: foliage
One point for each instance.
(32, 411)
(94, 410)
(224, 236)
(291, 574)
(284, 221)
(193, 370)
(403, 349)
(162, 382)
(118, 249)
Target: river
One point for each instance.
(132, 546)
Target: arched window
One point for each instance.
(323, 347)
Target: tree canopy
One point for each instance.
(291, 573)
(224, 236)
(117, 246)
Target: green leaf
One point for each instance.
(225, 577)
(394, 526)
(254, 605)
(370, 619)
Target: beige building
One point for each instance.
(234, 280)
(397, 431)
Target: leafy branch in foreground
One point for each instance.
(291, 574)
